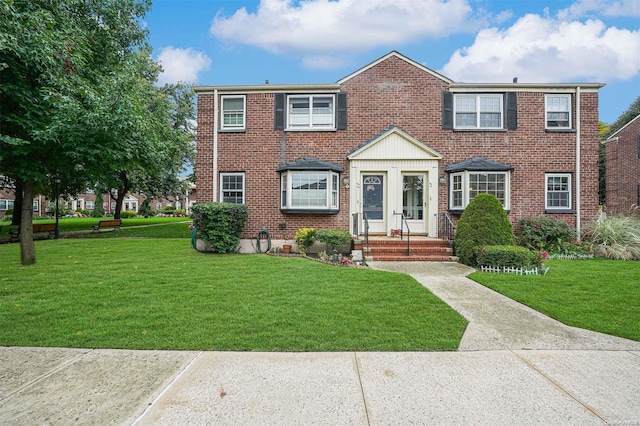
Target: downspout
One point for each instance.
(578, 201)
(215, 145)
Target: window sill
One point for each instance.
(559, 211)
(481, 130)
(243, 130)
(552, 130)
(459, 212)
(306, 129)
(309, 211)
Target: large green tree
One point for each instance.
(63, 70)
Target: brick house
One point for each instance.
(396, 138)
(622, 168)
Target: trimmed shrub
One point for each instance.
(220, 224)
(507, 256)
(98, 207)
(145, 208)
(614, 237)
(127, 214)
(305, 237)
(484, 222)
(543, 233)
(335, 238)
(168, 209)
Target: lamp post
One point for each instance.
(56, 179)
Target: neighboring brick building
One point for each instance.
(622, 168)
(396, 138)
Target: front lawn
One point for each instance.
(600, 295)
(162, 294)
(73, 224)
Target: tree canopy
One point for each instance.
(79, 102)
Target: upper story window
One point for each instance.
(232, 188)
(558, 191)
(232, 112)
(304, 112)
(481, 111)
(310, 112)
(478, 111)
(558, 111)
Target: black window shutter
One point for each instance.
(447, 110)
(341, 111)
(512, 110)
(279, 111)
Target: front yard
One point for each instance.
(599, 295)
(162, 294)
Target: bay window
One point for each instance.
(309, 191)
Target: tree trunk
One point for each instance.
(122, 192)
(17, 204)
(27, 247)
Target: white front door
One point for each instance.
(414, 201)
(374, 201)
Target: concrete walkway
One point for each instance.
(515, 366)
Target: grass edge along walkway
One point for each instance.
(599, 295)
(162, 294)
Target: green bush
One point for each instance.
(98, 207)
(168, 209)
(305, 237)
(220, 224)
(614, 237)
(543, 233)
(484, 222)
(145, 208)
(179, 211)
(127, 214)
(335, 238)
(507, 256)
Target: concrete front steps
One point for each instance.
(421, 249)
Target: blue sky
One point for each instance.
(226, 42)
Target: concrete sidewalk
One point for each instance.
(515, 366)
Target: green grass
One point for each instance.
(85, 223)
(162, 294)
(599, 295)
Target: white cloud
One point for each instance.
(181, 65)
(319, 28)
(539, 49)
(585, 8)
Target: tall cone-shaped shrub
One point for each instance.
(484, 222)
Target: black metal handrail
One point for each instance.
(403, 222)
(356, 226)
(447, 229)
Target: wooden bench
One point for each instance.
(112, 223)
(14, 234)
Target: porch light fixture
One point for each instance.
(443, 180)
(345, 182)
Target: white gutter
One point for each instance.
(215, 145)
(578, 183)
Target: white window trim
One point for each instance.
(466, 189)
(478, 111)
(547, 111)
(311, 126)
(244, 113)
(244, 185)
(332, 191)
(546, 191)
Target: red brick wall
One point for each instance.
(623, 170)
(395, 93)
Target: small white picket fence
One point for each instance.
(518, 271)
